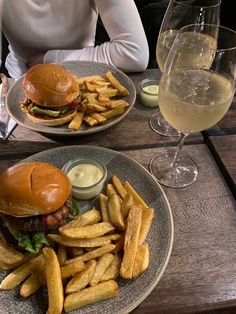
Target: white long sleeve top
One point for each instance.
(65, 30)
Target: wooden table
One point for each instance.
(201, 274)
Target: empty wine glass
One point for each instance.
(195, 92)
(178, 14)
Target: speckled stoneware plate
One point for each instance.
(79, 68)
(160, 238)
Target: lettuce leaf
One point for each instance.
(32, 243)
(74, 211)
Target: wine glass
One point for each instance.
(178, 14)
(195, 92)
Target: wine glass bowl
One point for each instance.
(195, 92)
(178, 14)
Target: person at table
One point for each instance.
(51, 31)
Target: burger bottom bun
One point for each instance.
(52, 121)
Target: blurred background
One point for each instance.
(151, 13)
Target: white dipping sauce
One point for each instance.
(149, 95)
(85, 175)
(83, 178)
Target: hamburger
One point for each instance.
(35, 198)
(51, 95)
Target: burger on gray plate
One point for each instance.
(52, 95)
(35, 198)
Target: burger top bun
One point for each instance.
(50, 85)
(33, 188)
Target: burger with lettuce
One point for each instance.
(52, 95)
(35, 199)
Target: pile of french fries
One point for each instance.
(101, 100)
(88, 254)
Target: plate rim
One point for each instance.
(171, 221)
(91, 130)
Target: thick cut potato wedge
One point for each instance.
(147, 217)
(30, 286)
(54, 282)
(61, 254)
(19, 274)
(103, 262)
(81, 280)
(119, 186)
(90, 217)
(93, 254)
(115, 214)
(113, 269)
(131, 241)
(72, 269)
(141, 260)
(103, 201)
(136, 197)
(88, 232)
(9, 257)
(102, 291)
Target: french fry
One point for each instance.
(61, 254)
(91, 97)
(141, 260)
(90, 121)
(103, 201)
(91, 107)
(101, 83)
(113, 269)
(115, 214)
(147, 217)
(131, 241)
(30, 286)
(76, 122)
(136, 197)
(85, 243)
(119, 245)
(81, 280)
(54, 282)
(93, 254)
(106, 91)
(18, 275)
(98, 117)
(126, 204)
(103, 262)
(110, 190)
(91, 86)
(119, 103)
(90, 217)
(116, 84)
(102, 291)
(75, 251)
(9, 257)
(88, 232)
(119, 186)
(72, 269)
(81, 80)
(112, 113)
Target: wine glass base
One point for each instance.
(182, 174)
(160, 126)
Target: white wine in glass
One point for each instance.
(178, 14)
(194, 96)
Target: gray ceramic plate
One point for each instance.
(79, 68)
(160, 238)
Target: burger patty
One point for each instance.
(40, 222)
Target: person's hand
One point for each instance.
(38, 59)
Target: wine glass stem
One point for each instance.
(179, 148)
